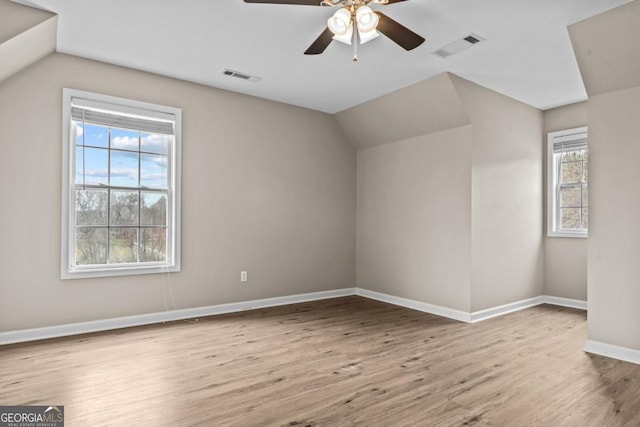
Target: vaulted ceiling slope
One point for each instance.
(426, 107)
(26, 35)
(612, 62)
(443, 102)
(527, 54)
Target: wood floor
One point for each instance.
(341, 362)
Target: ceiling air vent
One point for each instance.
(458, 45)
(239, 75)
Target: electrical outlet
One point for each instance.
(243, 276)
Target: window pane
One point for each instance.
(570, 218)
(118, 194)
(155, 143)
(78, 128)
(586, 170)
(79, 165)
(153, 172)
(570, 197)
(125, 139)
(153, 244)
(96, 136)
(585, 218)
(96, 162)
(91, 207)
(124, 169)
(570, 172)
(571, 156)
(123, 243)
(91, 246)
(153, 209)
(124, 208)
(585, 196)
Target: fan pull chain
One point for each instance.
(355, 41)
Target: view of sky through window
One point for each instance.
(122, 158)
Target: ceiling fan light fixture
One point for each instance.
(346, 37)
(354, 20)
(366, 19)
(367, 36)
(340, 22)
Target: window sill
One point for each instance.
(119, 271)
(574, 235)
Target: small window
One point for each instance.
(567, 192)
(121, 186)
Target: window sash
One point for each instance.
(128, 115)
(559, 207)
(559, 143)
(109, 226)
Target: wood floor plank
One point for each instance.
(341, 362)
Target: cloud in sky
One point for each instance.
(124, 143)
(124, 173)
(96, 172)
(155, 143)
(128, 177)
(148, 142)
(115, 172)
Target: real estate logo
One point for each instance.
(31, 416)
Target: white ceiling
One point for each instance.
(527, 55)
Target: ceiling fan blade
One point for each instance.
(393, 1)
(398, 33)
(321, 43)
(302, 2)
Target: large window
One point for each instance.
(121, 206)
(568, 201)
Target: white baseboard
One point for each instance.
(565, 302)
(613, 351)
(475, 316)
(480, 315)
(416, 305)
(25, 335)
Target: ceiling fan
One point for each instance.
(355, 21)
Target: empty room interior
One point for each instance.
(430, 216)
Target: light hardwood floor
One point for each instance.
(340, 362)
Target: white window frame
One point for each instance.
(128, 106)
(567, 135)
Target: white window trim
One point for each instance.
(552, 183)
(67, 220)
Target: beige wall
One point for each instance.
(412, 244)
(429, 106)
(267, 188)
(414, 218)
(565, 261)
(15, 19)
(26, 36)
(614, 228)
(609, 60)
(606, 49)
(507, 247)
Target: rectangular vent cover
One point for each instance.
(472, 39)
(239, 75)
(458, 45)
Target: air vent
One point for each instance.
(239, 75)
(458, 45)
(472, 39)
